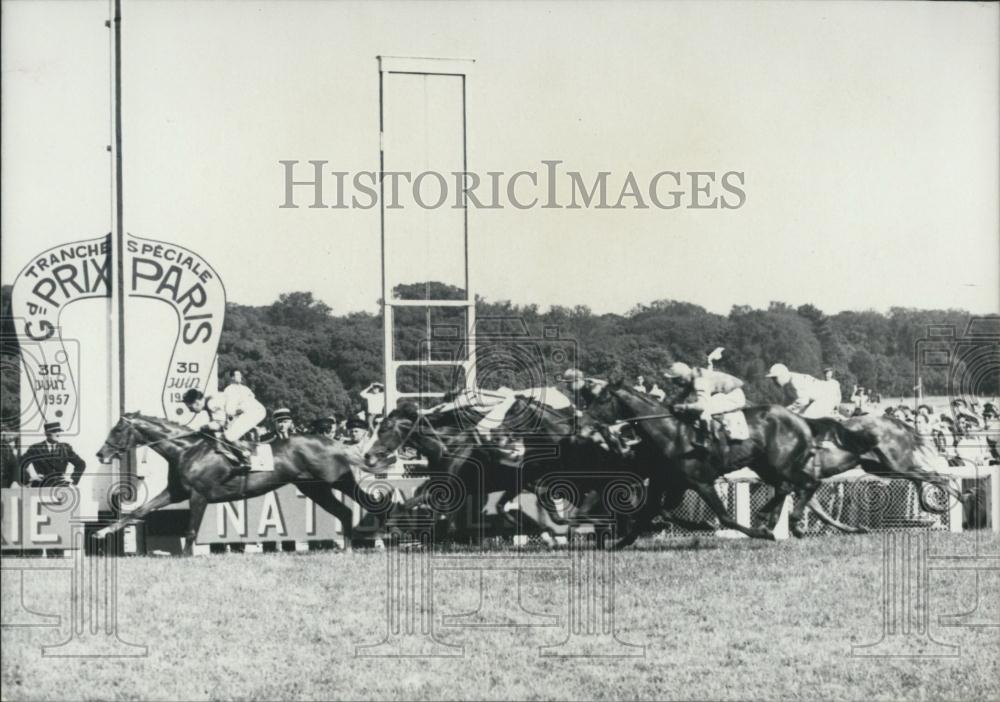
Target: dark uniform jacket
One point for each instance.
(9, 466)
(51, 462)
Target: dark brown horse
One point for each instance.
(900, 452)
(676, 458)
(466, 466)
(197, 472)
(462, 469)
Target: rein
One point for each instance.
(151, 443)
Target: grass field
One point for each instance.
(719, 619)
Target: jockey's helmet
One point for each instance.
(780, 373)
(192, 396)
(678, 371)
(574, 378)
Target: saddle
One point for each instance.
(711, 438)
(238, 453)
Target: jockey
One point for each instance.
(586, 390)
(714, 392)
(804, 394)
(235, 412)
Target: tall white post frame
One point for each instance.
(422, 133)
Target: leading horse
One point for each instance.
(676, 459)
(197, 472)
(899, 452)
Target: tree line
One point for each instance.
(297, 353)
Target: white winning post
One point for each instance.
(422, 129)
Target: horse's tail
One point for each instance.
(856, 441)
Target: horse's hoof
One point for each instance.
(798, 532)
(766, 534)
(862, 530)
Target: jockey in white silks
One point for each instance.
(235, 412)
(715, 394)
(502, 400)
(804, 394)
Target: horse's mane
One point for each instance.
(856, 441)
(158, 421)
(616, 385)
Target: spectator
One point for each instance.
(965, 419)
(990, 412)
(282, 425)
(48, 460)
(374, 397)
(860, 398)
(640, 384)
(942, 431)
(357, 431)
(657, 392)
(327, 426)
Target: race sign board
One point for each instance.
(283, 515)
(37, 518)
(66, 329)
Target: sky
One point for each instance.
(867, 134)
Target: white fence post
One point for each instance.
(742, 499)
(995, 498)
(956, 509)
(781, 528)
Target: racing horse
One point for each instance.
(456, 460)
(197, 472)
(900, 452)
(675, 459)
(462, 465)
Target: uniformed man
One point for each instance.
(804, 394)
(282, 425)
(48, 460)
(10, 466)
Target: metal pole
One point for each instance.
(389, 379)
(118, 248)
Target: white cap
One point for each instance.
(779, 371)
(678, 370)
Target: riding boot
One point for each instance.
(237, 454)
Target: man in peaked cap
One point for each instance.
(282, 425)
(47, 460)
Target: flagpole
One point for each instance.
(118, 399)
